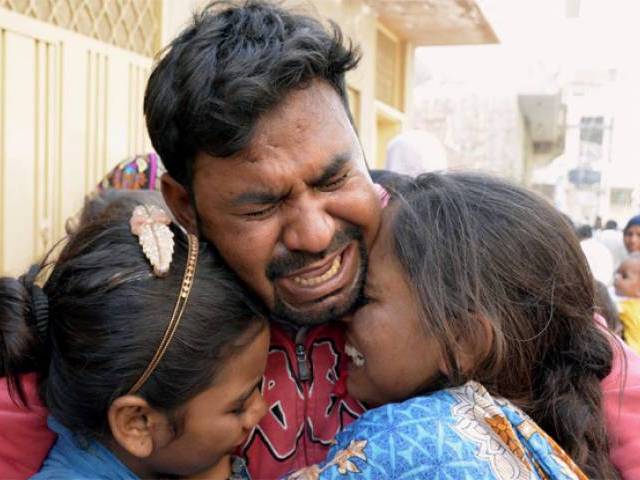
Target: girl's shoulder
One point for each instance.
(72, 457)
(455, 433)
(408, 438)
(406, 416)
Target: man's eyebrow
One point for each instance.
(256, 197)
(266, 197)
(331, 170)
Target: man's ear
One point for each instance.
(137, 427)
(178, 200)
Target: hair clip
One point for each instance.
(151, 225)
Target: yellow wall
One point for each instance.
(71, 107)
(358, 23)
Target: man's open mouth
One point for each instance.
(320, 280)
(309, 280)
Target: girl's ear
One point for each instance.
(472, 348)
(477, 348)
(137, 427)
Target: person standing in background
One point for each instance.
(631, 235)
(611, 238)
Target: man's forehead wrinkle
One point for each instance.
(264, 150)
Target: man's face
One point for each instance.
(295, 212)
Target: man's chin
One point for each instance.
(317, 313)
(330, 307)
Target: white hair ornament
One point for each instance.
(150, 224)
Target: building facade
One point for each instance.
(72, 80)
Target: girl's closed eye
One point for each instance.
(239, 410)
(239, 407)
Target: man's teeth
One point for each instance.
(355, 355)
(310, 282)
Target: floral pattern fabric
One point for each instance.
(141, 172)
(458, 433)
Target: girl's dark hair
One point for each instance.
(236, 61)
(107, 315)
(476, 247)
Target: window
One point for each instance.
(621, 196)
(389, 70)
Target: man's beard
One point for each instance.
(296, 260)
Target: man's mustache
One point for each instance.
(292, 261)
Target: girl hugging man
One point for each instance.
(474, 345)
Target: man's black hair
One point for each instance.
(236, 61)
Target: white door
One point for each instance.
(70, 107)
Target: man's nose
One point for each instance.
(310, 228)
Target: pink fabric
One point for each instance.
(621, 390)
(25, 439)
(382, 194)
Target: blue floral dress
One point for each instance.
(458, 433)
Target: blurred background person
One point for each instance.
(599, 257)
(414, 152)
(632, 235)
(627, 287)
(611, 237)
(608, 308)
